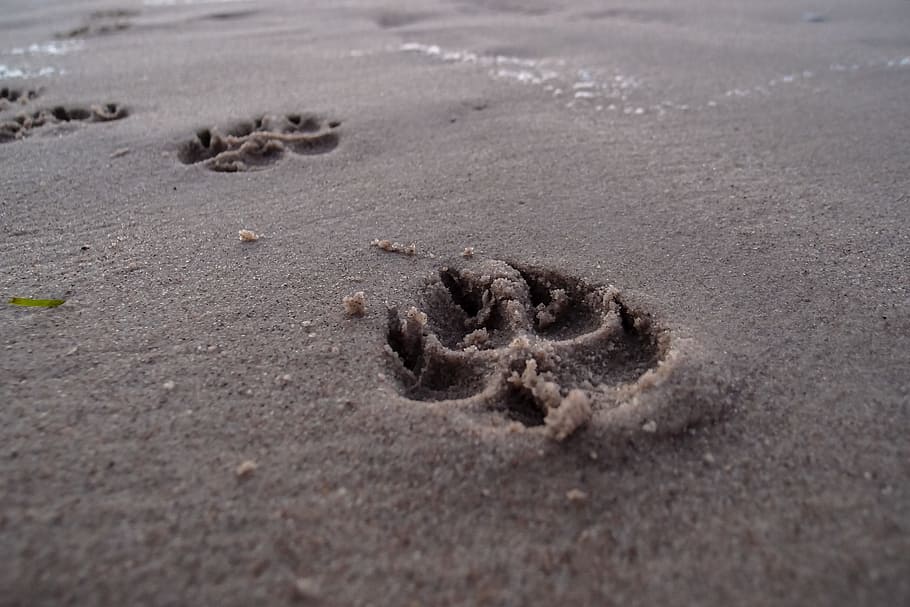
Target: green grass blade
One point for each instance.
(36, 303)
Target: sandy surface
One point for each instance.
(201, 423)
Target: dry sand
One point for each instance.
(707, 200)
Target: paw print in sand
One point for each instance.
(10, 95)
(101, 23)
(26, 122)
(523, 345)
(259, 143)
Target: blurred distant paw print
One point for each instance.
(25, 123)
(259, 143)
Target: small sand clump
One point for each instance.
(576, 496)
(356, 304)
(248, 236)
(572, 413)
(306, 589)
(246, 469)
(468, 252)
(476, 338)
(549, 314)
(395, 247)
(416, 316)
(545, 392)
(564, 415)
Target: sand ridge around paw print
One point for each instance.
(259, 143)
(512, 343)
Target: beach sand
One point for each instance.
(650, 345)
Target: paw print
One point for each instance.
(26, 122)
(259, 143)
(538, 348)
(11, 95)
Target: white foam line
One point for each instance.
(539, 72)
(7, 72)
(523, 76)
(186, 2)
(50, 48)
(587, 92)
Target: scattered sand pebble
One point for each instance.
(468, 252)
(588, 534)
(576, 496)
(169, 385)
(708, 457)
(306, 588)
(355, 305)
(649, 426)
(246, 468)
(394, 247)
(120, 152)
(283, 380)
(248, 235)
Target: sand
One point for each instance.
(687, 224)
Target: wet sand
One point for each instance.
(692, 216)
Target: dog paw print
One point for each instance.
(101, 23)
(10, 96)
(535, 348)
(259, 143)
(26, 122)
